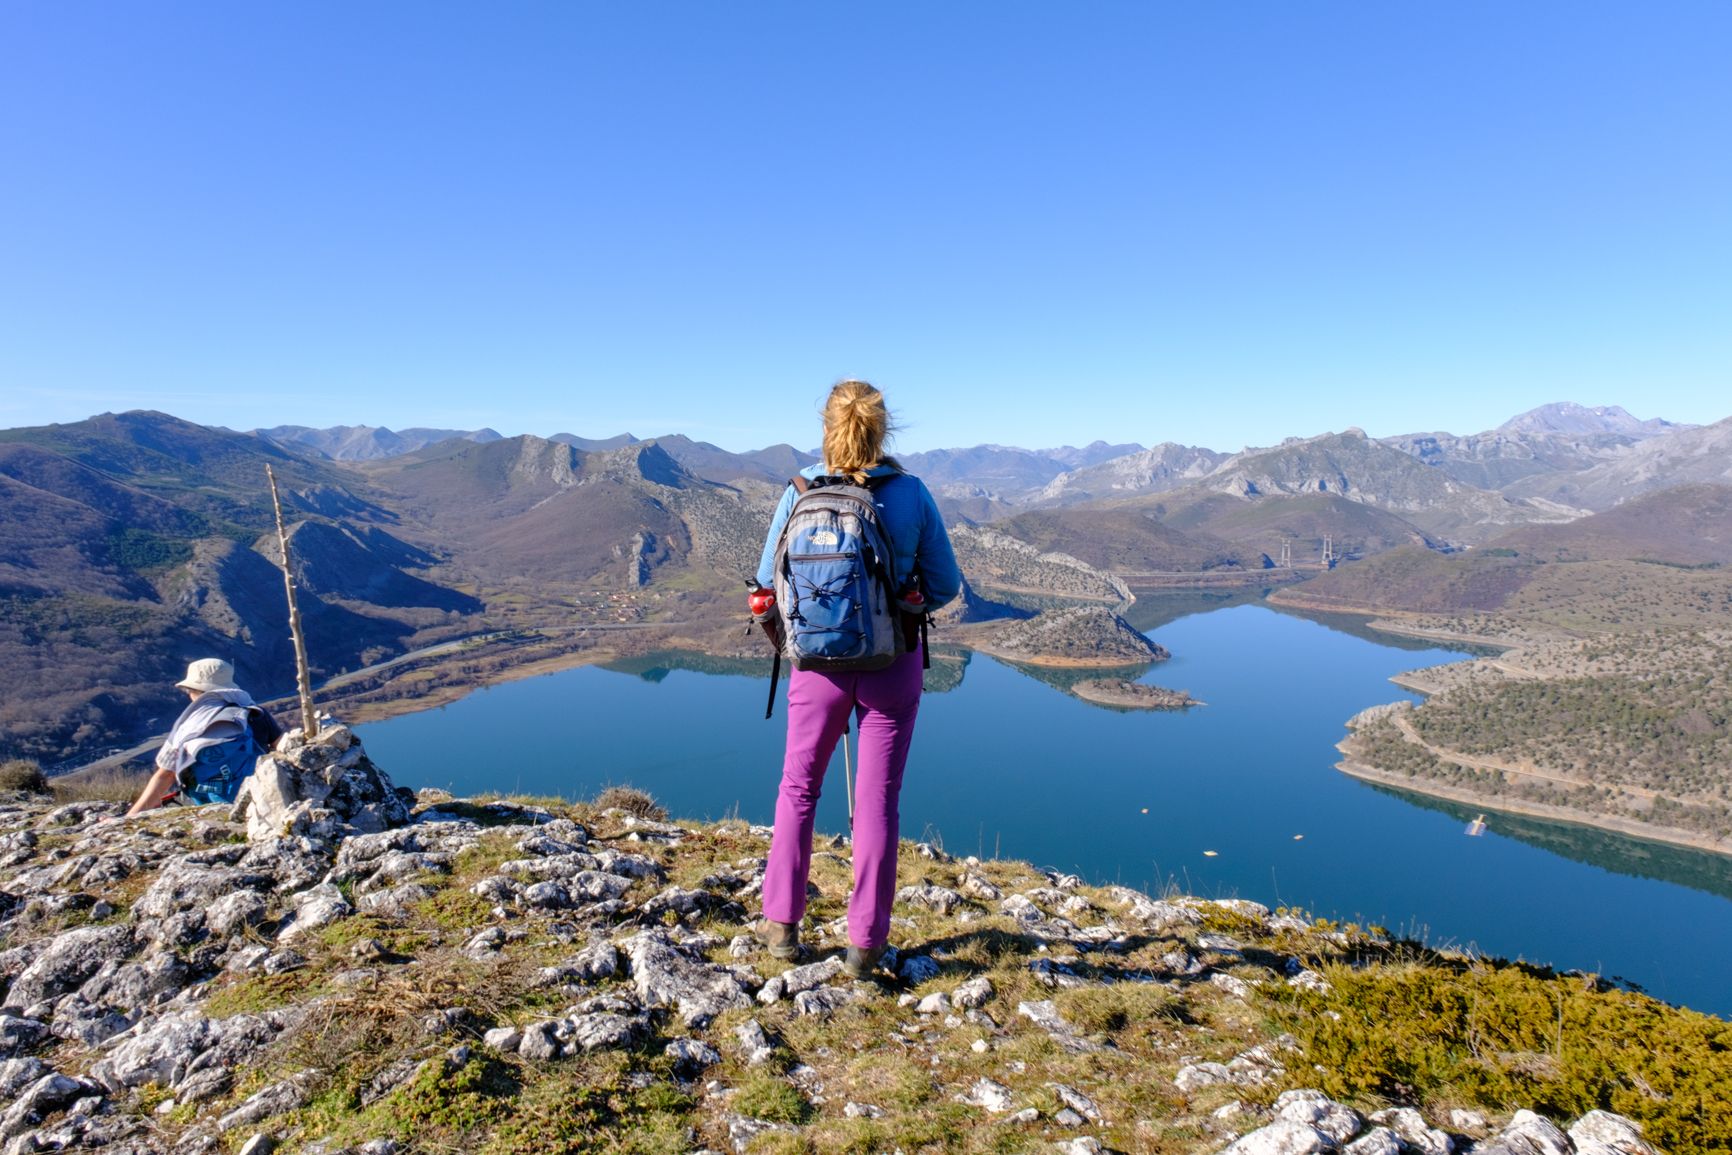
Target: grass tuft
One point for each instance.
(633, 801)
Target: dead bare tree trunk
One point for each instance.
(303, 679)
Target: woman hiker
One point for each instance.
(214, 743)
(883, 702)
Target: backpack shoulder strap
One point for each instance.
(265, 729)
(800, 484)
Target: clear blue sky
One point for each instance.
(1032, 223)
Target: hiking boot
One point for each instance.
(782, 938)
(860, 962)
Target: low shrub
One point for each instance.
(23, 774)
(1508, 1036)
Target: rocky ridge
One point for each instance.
(505, 976)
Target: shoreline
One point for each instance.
(1628, 828)
(1058, 663)
(379, 709)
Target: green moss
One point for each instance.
(556, 1115)
(255, 994)
(587, 1105)
(477, 1094)
(395, 937)
(764, 1096)
(454, 909)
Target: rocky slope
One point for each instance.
(511, 977)
(997, 560)
(1690, 454)
(1165, 466)
(1627, 564)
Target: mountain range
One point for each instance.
(133, 542)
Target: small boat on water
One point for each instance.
(1476, 827)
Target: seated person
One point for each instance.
(214, 743)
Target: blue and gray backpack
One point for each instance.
(836, 604)
(834, 571)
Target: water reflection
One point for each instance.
(945, 674)
(1618, 853)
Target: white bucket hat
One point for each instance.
(208, 674)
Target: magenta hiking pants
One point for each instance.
(885, 703)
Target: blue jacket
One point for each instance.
(909, 516)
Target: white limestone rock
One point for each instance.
(1529, 1134)
(68, 961)
(1377, 1141)
(743, 1132)
(801, 978)
(1463, 1119)
(1075, 1100)
(505, 1040)
(267, 1103)
(1317, 1110)
(989, 1095)
(973, 994)
(691, 1056)
(327, 772)
(941, 899)
(823, 1002)
(1417, 1136)
(16, 1074)
(1283, 1137)
(315, 908)
(666, 976)
(754, 1043)
(1608, 1130)
(974, 886)
(1151, 915)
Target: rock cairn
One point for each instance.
(325, 786)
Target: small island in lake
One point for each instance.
(1133, 695)
(1084, 636)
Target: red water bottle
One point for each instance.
(762, 601)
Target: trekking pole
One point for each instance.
(848, 777)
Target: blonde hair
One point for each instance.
(856, 425)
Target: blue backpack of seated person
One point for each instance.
(216, 772)
(835, 572)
